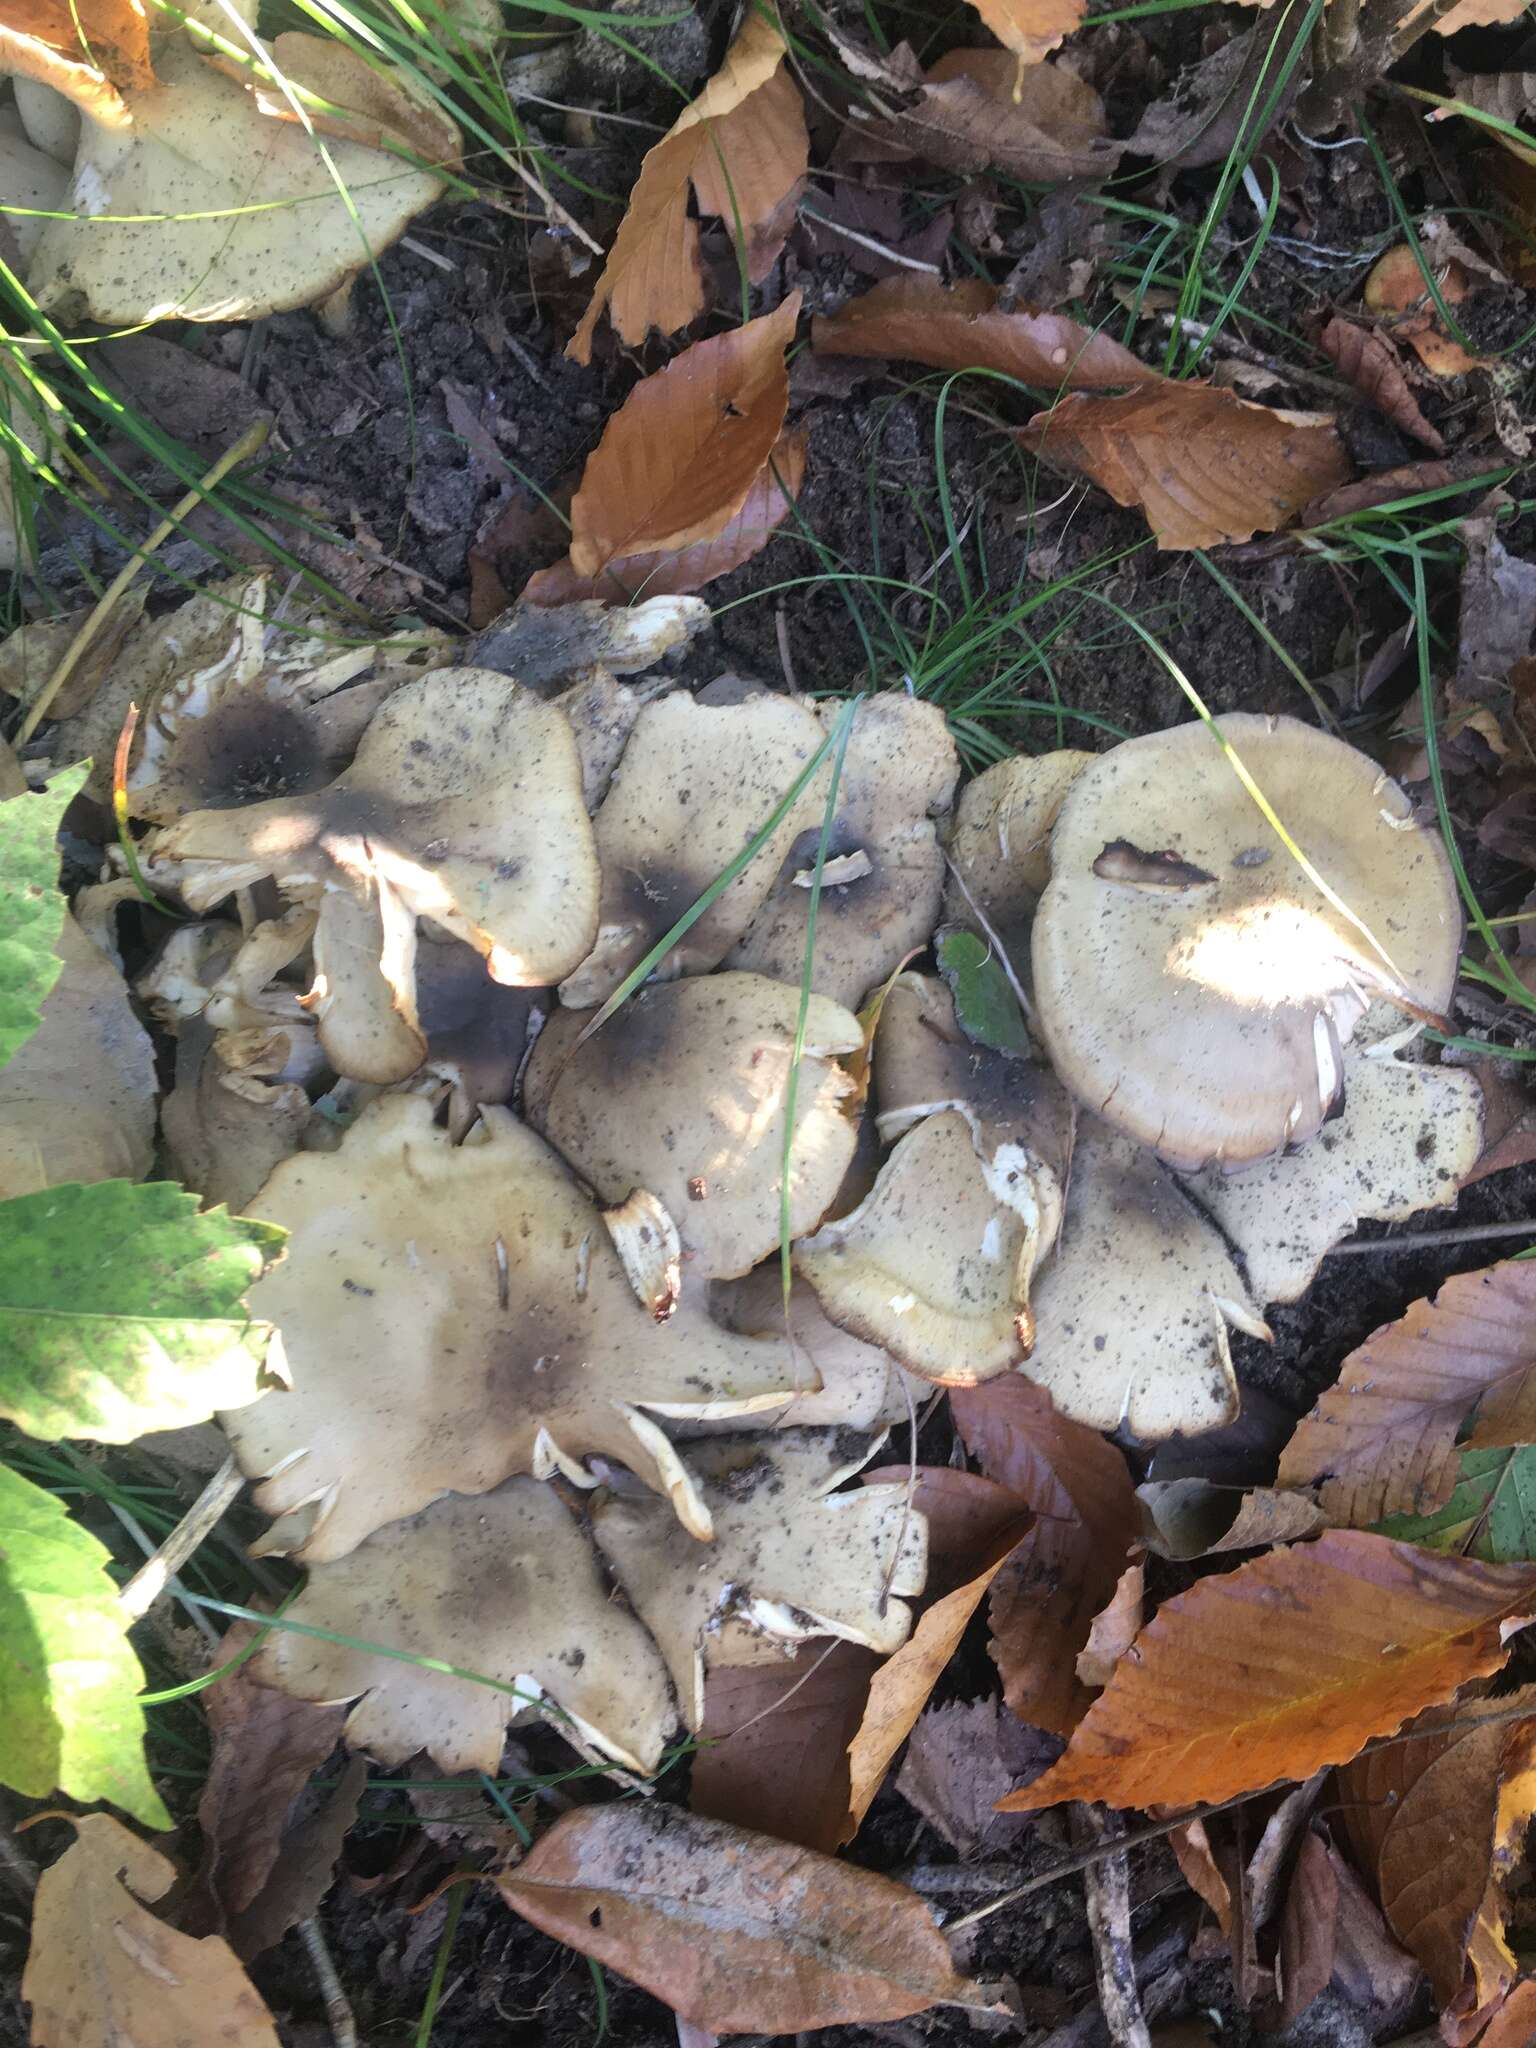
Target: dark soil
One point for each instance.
(420, 432)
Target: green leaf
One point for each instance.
(120, 1309)
(1491, 1514)
(70, 1720)
(31, 905)
(986, 1007)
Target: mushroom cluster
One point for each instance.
(552, 1417)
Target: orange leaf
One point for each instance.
(765, 508)
(1030, 27)
(1066, 1570)
(1383, 1440)
(958, 327)
(1514, 2024)
(1396, 289)
(679, 457)
(773, 1750)
(1204, 465)
(900, 1688)
(743, 149)
(738, 1933)
(1293, 1661)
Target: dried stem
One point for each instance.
(1466, 1233)
(158, 1574)
(1107, 1883)
(337, 2010)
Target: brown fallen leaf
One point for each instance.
(1115, 1627)
(365, 103)
(741, 147)
(899, 1690)
(1388, 485)
(1204, 465)
(975, 110)
(1396, 291)
(961, 1760)
(1192, 1851)
(1030, 28)
(1188, 1518)
(1291, 1662)
(266, 1747)
(1378, 1976)
(1208, 108)
(1067, 1568)
(1370, 363)
(102, 1968)
(1309, 1926)
(679, 457)
(1514, 2024)
(959, 327)
(1383, 1441)
(304, 1870)
(773, 1752)
(738, 1933)
(768, 503)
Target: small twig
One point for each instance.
(1107, 1883)
(337, 2010)
(249, 442)
(196, 1525)
(786, 660)
(427, 255)
(989, 932)
(1467, 1233)
(1234, 345)
(552, 206)
(881, 249)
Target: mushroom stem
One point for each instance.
(158, 1572)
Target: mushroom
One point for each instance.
(935, 1264)
(546, 646)
(230, 1119)
(32, 181)
(363, 999)
(1194, 985)
(683, 1092)
(1408, 1134)
(224, 211)
(884, 873)
(848, 1384)
(477, 1032)
(695, 785)
(602, 714)
(999, 843)
(1131, 1314)
(463, 804)
(505, 1585)
(791, 1557)
(453, 1315)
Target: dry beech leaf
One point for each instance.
(959, 327)
(1115, 1627)
(978, 110)
(1193, 1517)
(961, 1760)
(900, 1688)
(1203, 464)
(1514, 2024)
(1291, 1662)
(773, 1752)
(373, 104)
(305, 1868)
(736, 1932)
(768, 503)
(102, 1968)
(1067, 1568)
(1031, 27)
(1371, 364)
(1396, 291)
(742, 148)
(1383, 1440)
(679, 457)
(1308, 1929)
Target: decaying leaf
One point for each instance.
(679, 457)
(423, 1363)
(1187, 1518)
(1370, 363)
(1043, 1606)
(1383, 1440)
(1396, 291)
(1203, 464)
(961, 1760)
(1114, 1629)
(742, 148)
(1030, 28)
(1219, 1698)
(738, 1933)
(102, 1968)
(960, 327)
(769, 501)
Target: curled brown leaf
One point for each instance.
(1370, 363)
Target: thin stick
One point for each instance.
(249, 442)
(882, 249)
(989, 933)
(337, 2010)
(1468, 1233)
(196, 1525)
(1107, 1884)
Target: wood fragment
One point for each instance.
(1107, 1883)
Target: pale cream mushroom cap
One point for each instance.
(695, 785)
(505, 1585)
(51, 120)
(1000, 842)
(464, 805)
(1131, 1313)
(1408, 1134)
(368, 1024)
(683, 1092)
(1197, 989)
(227, 1123)
(246, 218)
(32, 180)
(898, 778)
(861, 1386)
(452, 1315)
(791, 1557)
(602, 712)
(931, 1266)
